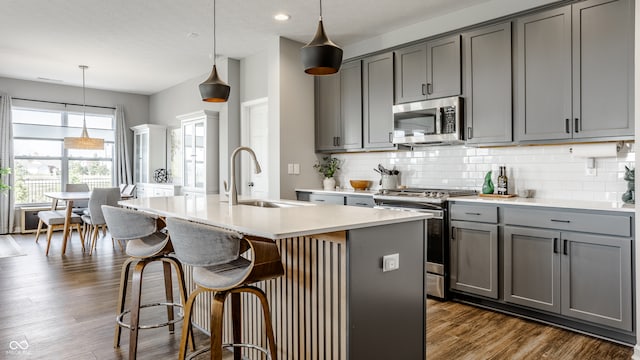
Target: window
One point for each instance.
(41, 164)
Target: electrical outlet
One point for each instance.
(390, 262)
(591, 172)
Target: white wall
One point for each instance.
(254, 77)
(456, 20)
(136, 107)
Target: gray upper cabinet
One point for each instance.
(532, 268)
(488, 78)
(377, 101)
(428, 70)
(603, 68)
(544, 75)
(574, 72)
(327, 112)
(411, 73)
(443, 67)
(339, 109)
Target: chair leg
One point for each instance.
(183, 295)
(94, 238)
(104, 230)
(236, 320)
(39, 229)
(79, 228)
(136, 292)
(267, 318)
(49, 234)
(186, 322)
(168, 291)
(217, 313)
(122, 296)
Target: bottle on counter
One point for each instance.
(503, 182)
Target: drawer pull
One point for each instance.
(362, 204)
(319, 200)
(561, 221)
(564, 248)
(470, 213)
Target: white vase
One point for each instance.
(329, 183)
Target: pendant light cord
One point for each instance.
(84, 99)
(214, 32)
(320, 10)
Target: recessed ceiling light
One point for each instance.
(192, 35)
(281, 17)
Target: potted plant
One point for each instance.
(328, 168)
(3, 172)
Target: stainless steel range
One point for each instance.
(432, 201)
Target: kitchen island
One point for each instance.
(334, 300)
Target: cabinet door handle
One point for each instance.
(390, 137)
(555, 245)
(453, 233)
(429, 88)
(567, 125)
(469, 132)
(577, 125)
(470, 213)
(565, 250)
(319, 200)
(561, 221)
(362, 204)
(424, 90)
(337, 140)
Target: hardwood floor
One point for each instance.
(63, 307)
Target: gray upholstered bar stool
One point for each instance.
(145, 244)
(218, 267)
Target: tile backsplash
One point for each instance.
(551, 170)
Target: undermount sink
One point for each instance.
(267, 204)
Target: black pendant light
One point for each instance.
(214, 89)
(321, 56)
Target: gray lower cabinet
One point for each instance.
(596, 279)
(574, 72)
(474, 258)
(326, 199)
(363, 201)
(532, 268)
(487, 67)
(338, 104)
(336, 199)
(563, 270)
(377, 101)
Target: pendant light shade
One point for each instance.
(321, 56)
(214, 89)
(84, 142)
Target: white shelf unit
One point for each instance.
(157, 189)
(149, 151)
(200, 151)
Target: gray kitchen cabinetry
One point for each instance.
(428, 70)
(326, 199)
(377, 101)
(574, 72)
(339, 109)
(338, 199)
(487, 67)
(562, 269)
(356, 200)
(474, 249)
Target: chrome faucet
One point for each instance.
(232, 192)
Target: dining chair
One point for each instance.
(146, 243)
(219, 268)
(55, 220)
(129, 191)
(79, 206)
(95, 219)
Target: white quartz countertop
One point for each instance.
(341, 191)
(273, 223)
(569, 204)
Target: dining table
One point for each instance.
(69, 197)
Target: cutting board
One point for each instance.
(497, 196)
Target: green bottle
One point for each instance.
(487, 187)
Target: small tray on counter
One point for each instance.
(497, 196)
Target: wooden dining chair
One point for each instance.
(55, 220)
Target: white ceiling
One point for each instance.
(142, 46)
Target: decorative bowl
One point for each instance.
(360, 184)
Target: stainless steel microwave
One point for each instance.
(430, 121)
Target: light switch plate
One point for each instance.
(390, 262)
(290, 169)
(296, 169)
